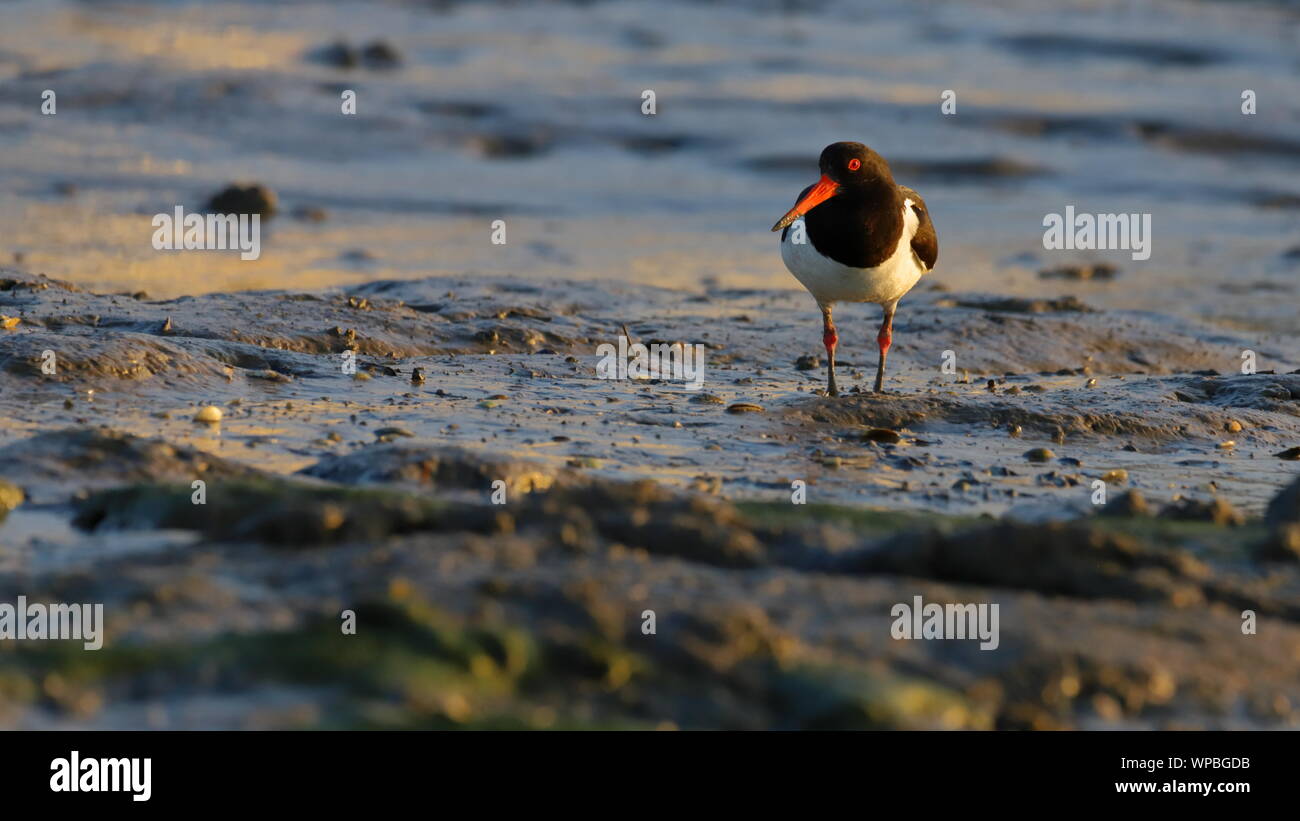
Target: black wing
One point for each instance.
(925, 243)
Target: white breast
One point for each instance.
(829, 281)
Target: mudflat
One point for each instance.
(374, 477)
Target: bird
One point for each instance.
(855, 235)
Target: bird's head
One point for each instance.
(847, 169)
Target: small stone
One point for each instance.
(1115, 476)
(744, 407)
(1232, 426)
(1039, 455)
(417, 376)
(380, 54)
(209, 415)
(244, 199)
(808, 362)
(9, 322)
(882, 435)
(339, 55)
(1290, 454)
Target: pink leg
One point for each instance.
(884, 339)
(830, 339)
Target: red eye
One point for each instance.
(855, 164)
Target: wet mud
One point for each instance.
(328, 491)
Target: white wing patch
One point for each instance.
(911, 222)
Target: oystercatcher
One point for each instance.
(863, 238)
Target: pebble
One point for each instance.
(882, 435)
(1039, 455)
(381, 54)
(744, 407)
(244, 199)
(210, 415)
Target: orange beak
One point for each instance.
(822, 191)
